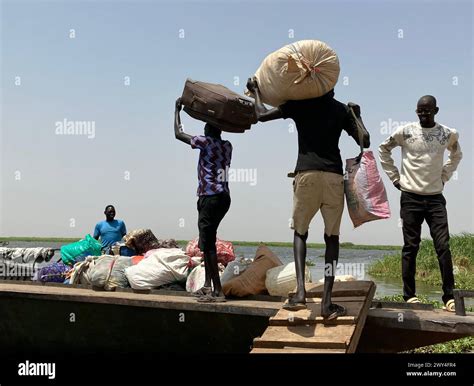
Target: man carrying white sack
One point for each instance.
(319, 181)
(421, 182)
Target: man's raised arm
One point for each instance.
(178, 127)
(263, 114)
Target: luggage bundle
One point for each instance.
(224, 249)
(72, 253)
(301, 70)
(141, 241)
(235, 268)
(252, 280)
(26, 255)
(53, 273)
(168, 243)
(363, 187)
(108, 272)
(281, 280)
(218, 106)
(80, 273)
(365, 193)
(197, 277)
(164, 266)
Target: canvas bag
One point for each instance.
(164, 266)
(141, 241)
(224, 249)
(109, 272)
(363, 187)
(301, 70)
(252, 280)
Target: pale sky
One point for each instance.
(121, 64)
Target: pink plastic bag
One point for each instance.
(225, 250)
(364, 190)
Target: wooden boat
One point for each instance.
(59, 318)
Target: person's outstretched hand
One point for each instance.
(178, 104)
(252, 84)
(397, 185)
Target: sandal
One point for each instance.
(414, 299)
(204, 291)
(211, 299)
(290, 306)
(450, 306)
(336, 311)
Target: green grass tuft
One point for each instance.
(427, 267)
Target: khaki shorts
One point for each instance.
(314, 190)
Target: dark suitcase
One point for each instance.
(219, 106)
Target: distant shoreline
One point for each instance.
(240, 243)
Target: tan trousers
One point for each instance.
(318, 190)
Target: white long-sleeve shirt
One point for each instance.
(422, 170)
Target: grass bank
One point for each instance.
(427, 267)
(238, 243)
(41, 239)
(463, 345)
(318, 245)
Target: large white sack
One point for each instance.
(197, 277)
(164, 266)
(282, 280)
(301, 70)
(109, 272)
(81, 270)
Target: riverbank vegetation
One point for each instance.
(346, 245)
(427, 267)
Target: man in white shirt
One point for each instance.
(421, 181)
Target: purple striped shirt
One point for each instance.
(214, 162)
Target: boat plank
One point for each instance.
(296, 350)
(308, 336)
(341, 288)
(312, 314)
(185, 303)
(306, 328)
(337, 299)
(362, 318)
(426, 320)
(315, 320)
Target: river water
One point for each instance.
(351, 261)
(354, 262)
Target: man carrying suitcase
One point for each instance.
(214, 198)
(421, 182)
(319, 181)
